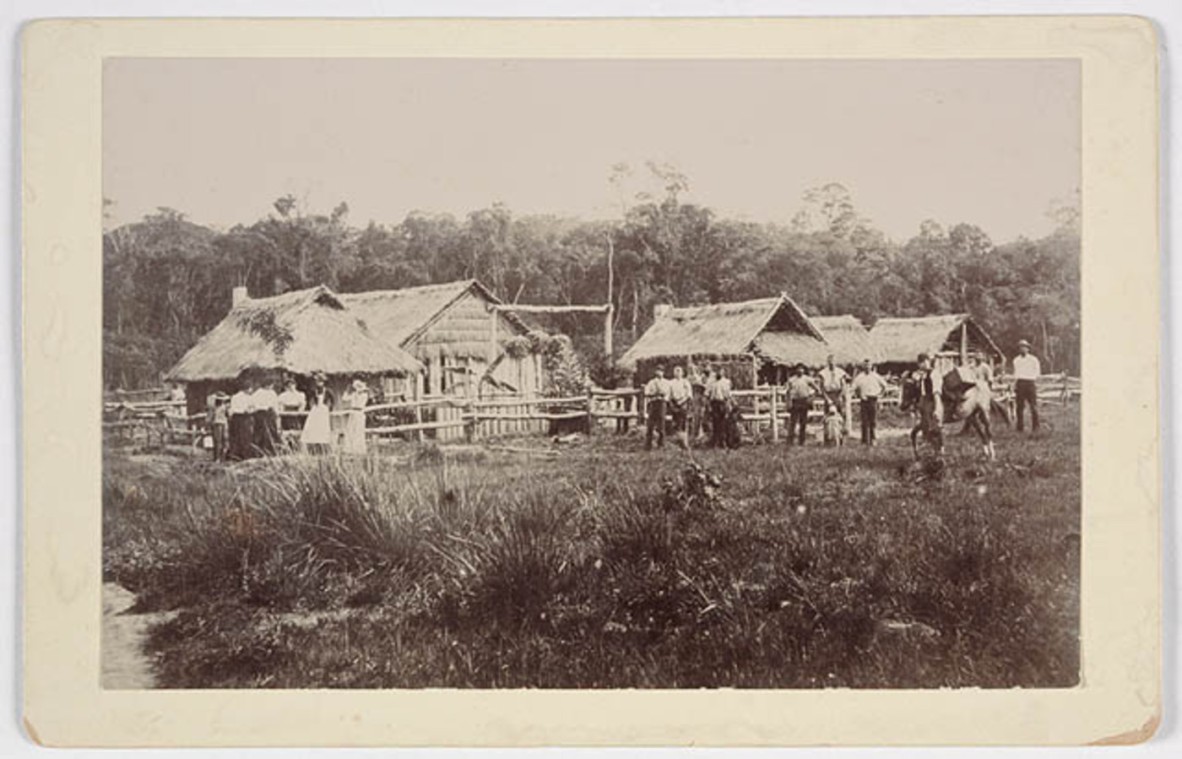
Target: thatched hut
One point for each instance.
(298, 333)
(949, 338)
(757, 340)
(849, 341)
(466, 346)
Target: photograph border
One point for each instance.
(1119, 698)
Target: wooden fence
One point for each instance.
(762, 410)
(148, 421)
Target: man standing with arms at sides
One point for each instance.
(681, 395)
(931, 408)
(218, 406)
(833, 383)
(1026, 371)
(801, 388)
(656, 393)
(718, 392)
(869, 387)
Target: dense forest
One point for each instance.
(166, 280)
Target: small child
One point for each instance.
(833, 427)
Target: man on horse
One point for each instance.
(959, 392)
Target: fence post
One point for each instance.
(590, 411)
(775, 414)
(469, 421)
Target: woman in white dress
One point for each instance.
(317, 434)
(354, 402)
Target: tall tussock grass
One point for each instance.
(793, 569)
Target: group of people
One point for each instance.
(691, 403)
(833, 385)
(250, 422)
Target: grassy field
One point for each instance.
(606, 566)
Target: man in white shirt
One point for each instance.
(1026, 371)
(868, 386)
(681, 393)
(801, 388)
(833, 382)
(656, 395)
(718, 394)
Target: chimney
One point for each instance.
(661, 310)
(238, 295)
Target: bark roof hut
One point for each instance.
(774, 330)
(434, 321)
(899, 341)
(301, 332)
(849, 341)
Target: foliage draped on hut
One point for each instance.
(565, 372)
(300, 332)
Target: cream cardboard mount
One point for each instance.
(1119, 697)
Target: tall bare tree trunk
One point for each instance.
(635, 306)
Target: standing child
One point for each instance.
(833, 426)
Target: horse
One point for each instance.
(967, 401)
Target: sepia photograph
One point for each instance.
(591, 373)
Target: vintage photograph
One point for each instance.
(590, 373)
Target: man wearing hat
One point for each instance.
(931, 411)
(801, 389)
(869, 387)
(718, 395)
(834, 382)
(217, 410)
(656, 394)
(1026, 371)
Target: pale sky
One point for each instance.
(991, 143)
